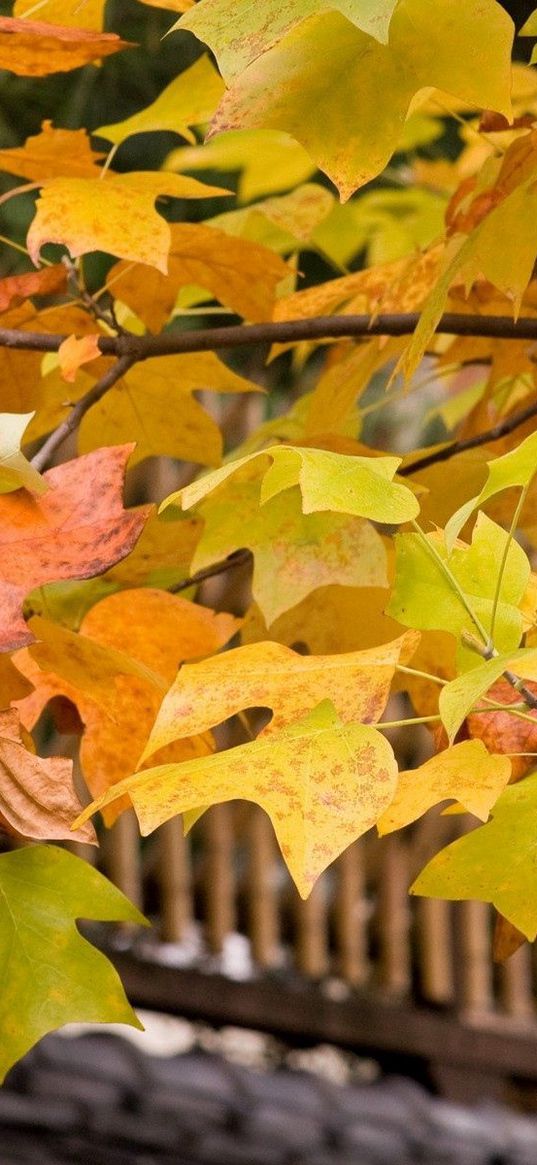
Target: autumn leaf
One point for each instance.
(329, 620)
(52, 153)
(504, 732)
(322, 783)
(284, 224)
(191, 98)
(286, 87)
(116, 671)
(466, 773)
(73, 13)
(294, 553)
(269, 161)
(516, 468)
(240, 274)
(328, 481)
(138, 408)
(494, 863)
(33, 49)
(37, 799)
(269, 675)
(77, 529)
(130, 229)
(425, 596)
(76, 351)
(458, 697)
(15, 470)
(43, 891)
(255, 28)
(16, 288)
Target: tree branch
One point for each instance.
(501, 429)
(64, 430)
(280, 331)
(238, 558)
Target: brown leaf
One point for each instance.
(31, 48)
(78, 529)
(507, 939)
(37, 799)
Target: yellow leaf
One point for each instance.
(269, 161)
(189, 99)
(126, 223)
(70, 13)
(467, 773)
(269, 675)
(152, 393)
(321, 782)
(329, 620)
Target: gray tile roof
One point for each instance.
(97, 1099)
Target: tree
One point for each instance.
(371, 571)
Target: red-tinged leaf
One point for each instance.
(78, 529)
(502, 731)
(37, 799)
(31, 48)
(16, 288)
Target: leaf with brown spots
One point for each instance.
(322, 783)
(269, 675)
(37, 799)
(77, 529)
(31, 48)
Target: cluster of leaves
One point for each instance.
(393, 574)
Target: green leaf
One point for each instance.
(425, 598)
(50, 974)
(191, 98)
(239, 32)
(15, 470)
(495, 863)
(328, 481)
(458, 697)
(515, 468)
(329, 101)
(323, 783)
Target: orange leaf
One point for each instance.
(240, 274)
(37, 798)
(150, 628)
(53, 153)
(502, 732)
(78, 529)
(76, 351)
(16, 288)
(31, 48)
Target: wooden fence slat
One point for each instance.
(435, 950)
(393, 917)
(311, 938)
(351, 917)
(262, 890)
(122, 857)
(175, 880)
(473, 958)
(219, 875)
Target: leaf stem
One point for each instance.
(424, 675)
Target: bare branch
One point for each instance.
(501, 429)
(282, 332)
(71, 423)
(238, 558)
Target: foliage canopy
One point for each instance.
(350, 194)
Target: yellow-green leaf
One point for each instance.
(495, 863)
(515, 468)
(189, 99)
(467, 773)
(298, 87)
(50, 974)
(322, 783)
(328, 481)
(269, 161)
(458, 696)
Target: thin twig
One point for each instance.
(71, 423)
(501, 429)
(486, 653)
(280, 331)
(238, 558)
